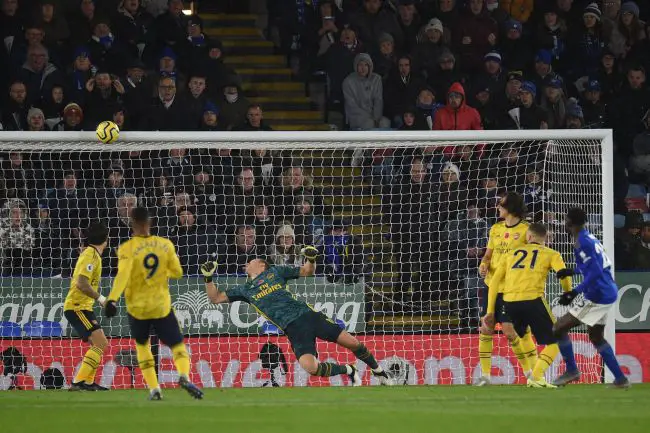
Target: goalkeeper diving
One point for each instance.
(522, 277)
(267, 291)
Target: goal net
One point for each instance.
(401, 221)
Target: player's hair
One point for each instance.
(514, 204)
(576, 216)
(96, 233)
(538, 229)
(266, 264)
(140, 215)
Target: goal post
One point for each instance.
(398, 237)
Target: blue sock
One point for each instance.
(607, 353)
(566, 349)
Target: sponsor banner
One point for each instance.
(633, 301)
(25, 299)
(234, 361)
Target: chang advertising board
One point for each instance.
(27, 299)
(634, 301)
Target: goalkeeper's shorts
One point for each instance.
(84, 322)
(304, 331)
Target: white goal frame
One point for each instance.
(87, 141)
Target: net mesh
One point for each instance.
(401, 228)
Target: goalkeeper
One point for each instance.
(267, 291)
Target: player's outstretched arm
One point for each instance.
(83, 284)
(309, 267)
(119, 284)
(214, 294)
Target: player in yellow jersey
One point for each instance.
(145, 264)
(78, 307)
(522, 277)
(505, 236)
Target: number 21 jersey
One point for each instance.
(145, 264)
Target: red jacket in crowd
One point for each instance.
(464, 118)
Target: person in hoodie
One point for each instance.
(38, 74)
(401, 87)
(457, 115)
(363, 96)
(284, 250)
(133, 25)
(475, 35)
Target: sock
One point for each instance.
(181, 359)
(147, 365)
(518, 350)
(566, 349)
(485, 353)
(529, 348)
(327, 369)
(607, 353)
(91, 361)
(363, 354)
(545, 360)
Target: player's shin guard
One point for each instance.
(545, 360)
(181, 359)
(607, 353)
(89, 365)
(363, 354)
(529, 348)
(147, 365)
(566, 349)
(327, 369)
(485, 353)
(518, 350)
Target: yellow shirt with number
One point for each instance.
(89, 265)
(523, 272)
(503, 240)
(145, 264)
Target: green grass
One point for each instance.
(501, 409)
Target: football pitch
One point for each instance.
(502, 409)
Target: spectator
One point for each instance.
(628, 109)
(554, 102)
(592, 106)
(529, 115)
(451, 192)
(177, 166)
(339, 62)
(324, 30)
(309, 227)
(242, 250)
(53, 105)
(254, 120)
(36, 120)
(446, 75)
(570, 12)
(168, 67)
(139, 88)
(585, 44)
(210, 118)
(171, 26)
(493, 74)
(519, 10)
(385, 59)
(119, 228)
(120, 117)
(543, 70)
(628, 39)
(15, 112)
(485, 106)
(20, 179)
(574, 115)
(294, 183)
(72, 118)
(475, 35)
(342, 255)
(449, 15)
(38, 74)
(45, 257)
(218, 73)
(54, 24)
(161, 193)
(266, 167)
(551, 33)
(105, 51)
(401, 88)
(510, 98)
(82, 71)
(641, 254)
(467, 159)
(196, 243)
(608, 76)
(263, 222)
(206, 199)
(363, 95)
(16, 240)
(428, 50)
(640, 160)
(114, 187)
(410, 22)
(515, 47)
(134, 26)
(457, 115)
(167, 113)
(82, 22)
(195, 48)
(536, 196)
(426, 107)
(240, 198)
(233, 107)
(33, 36)
(196, 98)
(375, 20)
(103, 93)
(10, 20)
(284, 250)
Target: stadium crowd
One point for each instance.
(407, 65)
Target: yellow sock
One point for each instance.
(485, 353)
(91, 361)
(181, 359)
(529, 348)
(518, 350)
(147, 365)
(546, 358)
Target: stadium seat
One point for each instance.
(10, 329)
(635, 191)
(43, 329)
(269, 328)
(619, 220)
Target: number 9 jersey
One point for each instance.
(145, 264)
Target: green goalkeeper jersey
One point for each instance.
(269, 294)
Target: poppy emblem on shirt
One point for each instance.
(506, 236)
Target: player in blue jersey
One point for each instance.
(599, 293)
(267, 290)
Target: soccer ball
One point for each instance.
(107, 132)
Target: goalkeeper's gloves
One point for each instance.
(110, 309)
(310, 253)
(567, 297)
(208, 269)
